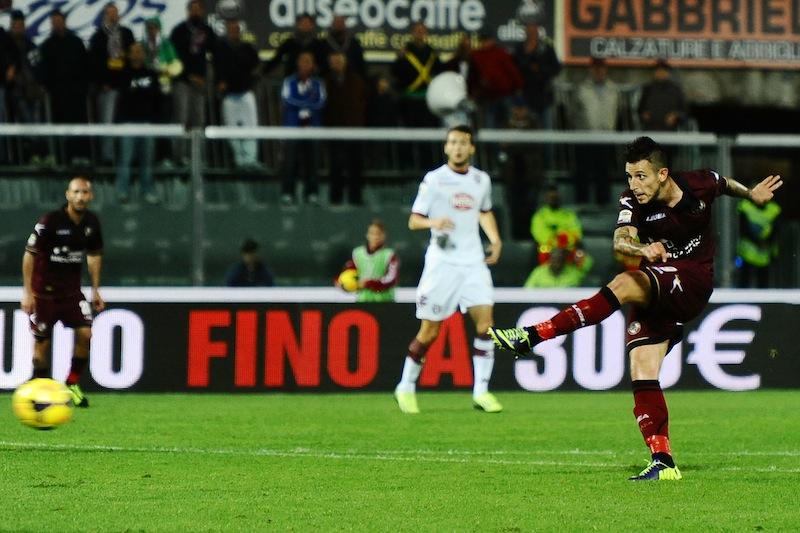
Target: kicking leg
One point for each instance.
(628, 287)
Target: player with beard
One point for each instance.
(454, 201)
(665, 219)
(51, 273)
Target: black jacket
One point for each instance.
(64, 63)
(234, 64)
(291, 48)
(192, 43)
(140, 96)
(105, 70)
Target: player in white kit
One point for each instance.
(453, 201)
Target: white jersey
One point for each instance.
(461, 198)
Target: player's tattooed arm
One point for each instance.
(760, 194)
(627, 243)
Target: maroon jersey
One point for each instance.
(60, 246)
(685, 230)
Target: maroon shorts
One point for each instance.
(679, 292)
(73, 311)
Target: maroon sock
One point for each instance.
(416, 351)
(650, 408)
(583, 313)
(75, 370)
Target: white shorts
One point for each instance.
(444, 287)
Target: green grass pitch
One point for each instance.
(303, 462)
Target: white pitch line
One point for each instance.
(297, 453)
(432, 456)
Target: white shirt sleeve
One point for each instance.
(486, 203)
(422, 203)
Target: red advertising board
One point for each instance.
(218, 342)
(701, 33)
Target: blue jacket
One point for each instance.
(302, 101)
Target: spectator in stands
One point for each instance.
(140, 95)
(757, 244)
(378, 266)
(539, 65)
(235, 64)
(346, 107)
(27, 94)
(339, 39)
(107, 55)
(65, 75)
(662, 106)
(597, 105)
(194, 40)
(558, 271)
(495, 80)
(554, 226)
(160, 55)
(250, 271)
(382, 110)
(303, 96)
(416, 64)
(9, 63)
(304, 40)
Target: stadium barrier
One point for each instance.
(318, 339)
(719, 156)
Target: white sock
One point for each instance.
(482, 365)
(411, 370)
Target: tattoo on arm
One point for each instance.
(625, 241)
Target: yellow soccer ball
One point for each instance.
(348, 280)
(42, 403)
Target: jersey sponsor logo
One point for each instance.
(62, 254)
(63, 232)
(634, 328)
(626, 201)
(687, 249)
(656, 216)
(462, 201)
(624, 216)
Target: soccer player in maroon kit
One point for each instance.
(664, 218)
(51, 273)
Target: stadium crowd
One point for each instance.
(192, 76)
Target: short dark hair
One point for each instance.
(463, 128)
(17, 15)
(646, 149)
(379, 224)
(57, 13)
(249, 246)
(301, 16)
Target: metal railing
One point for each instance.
(720, 149)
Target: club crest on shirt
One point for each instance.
(462, 201)
(634, 328)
